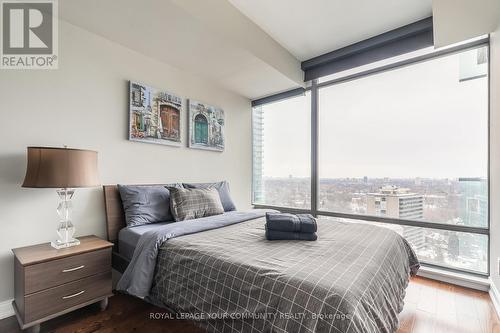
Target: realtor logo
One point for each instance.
(29, 34)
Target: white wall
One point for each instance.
(495, 156)
(84, 105)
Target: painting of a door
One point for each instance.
(170, 121)
(200, 129)
(206, 126)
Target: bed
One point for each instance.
(223, 274)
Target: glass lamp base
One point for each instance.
(57, 244)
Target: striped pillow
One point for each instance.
(193, 203)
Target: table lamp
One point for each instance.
(64, 169)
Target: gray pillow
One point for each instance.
(193, 203)
(144, 204)
(222, 188)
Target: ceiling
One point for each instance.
(459, 20)
(310, 28)
(251, 47)
(181, 34)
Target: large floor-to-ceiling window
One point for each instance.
(405, 147)
(281, 153)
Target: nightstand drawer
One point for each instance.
(53, 300)
(57, 272)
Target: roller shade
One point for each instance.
(402, 40)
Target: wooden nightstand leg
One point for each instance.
(103, 304)
(33, 329)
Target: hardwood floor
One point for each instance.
(436, 307)
(430, 307)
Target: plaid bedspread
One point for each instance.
(352, 279)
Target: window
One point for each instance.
(417, 139)
(281, 153)
(405, 148)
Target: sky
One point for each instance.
(415, 121)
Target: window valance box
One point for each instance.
(402, 40)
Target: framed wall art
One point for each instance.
(154, 115)
(206, 126)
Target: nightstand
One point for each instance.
(50, 282)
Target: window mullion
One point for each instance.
(314, 148)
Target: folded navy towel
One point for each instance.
(286, 235)
(291, 222)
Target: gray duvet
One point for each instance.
(138, 277)
(231, 279)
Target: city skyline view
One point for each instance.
(444, 200)
(457, 202)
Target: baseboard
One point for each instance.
(495, 298)
(459, 279)
(6, 309)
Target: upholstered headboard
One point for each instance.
(115, 217)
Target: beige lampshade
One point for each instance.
(61, 168)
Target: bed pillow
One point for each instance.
(193, 203)
(222, 188)
(144, 204)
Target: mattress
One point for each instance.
(128, 237)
